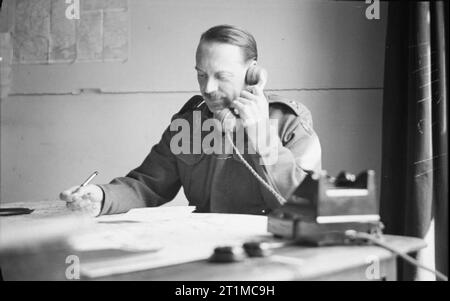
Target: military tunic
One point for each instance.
(220, 182)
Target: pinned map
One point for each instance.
(43, 34)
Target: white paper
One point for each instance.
(172, 235)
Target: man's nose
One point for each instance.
(211, 86)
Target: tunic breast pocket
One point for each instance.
(193, 169)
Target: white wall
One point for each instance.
(325, 54)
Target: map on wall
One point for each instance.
(53, 31)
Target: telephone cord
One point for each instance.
(352, 234)
(280, 198)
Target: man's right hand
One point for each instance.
(87, 199)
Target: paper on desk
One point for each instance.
(115, 238)
(148, 214)
(176, 236)
(124, 232)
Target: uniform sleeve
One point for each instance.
(295, 152)
(155, 182)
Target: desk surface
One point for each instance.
(47, 261)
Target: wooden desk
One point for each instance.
(47, 261)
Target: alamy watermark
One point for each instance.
(373, 10)
(373, 269)
(73, 268)
(73, 9)
(208, 137)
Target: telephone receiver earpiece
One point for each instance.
(255, 76)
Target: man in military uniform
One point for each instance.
(217, 182)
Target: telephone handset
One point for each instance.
(255, 76)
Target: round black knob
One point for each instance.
(227, 254)
(257, 249)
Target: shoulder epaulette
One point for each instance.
(293, 105)
(298, 108)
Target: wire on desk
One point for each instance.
(352, 234)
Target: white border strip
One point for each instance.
(347, 192)
(347, 218)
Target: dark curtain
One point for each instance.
(414, 187)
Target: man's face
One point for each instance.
(220, 72)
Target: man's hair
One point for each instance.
(232, 35)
